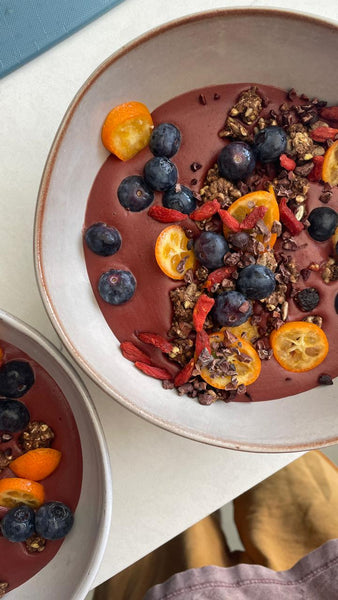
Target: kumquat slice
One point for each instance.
(299, 346)
(247, 364)
(14, 491)
(127, 129)
(246, 331)
(36, 464)
(330, 165)
(172, 254)
(244, 205)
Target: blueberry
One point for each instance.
(160, 173)
(256, 282)
(231, 309)
(116, 286)
(16, 378)
(236, 161)
(102, 239)
(53, 520)
(323, 223)
(179, 198)
(18, 524)
(269, 144)
(14, 416)
(210, 249)
(165, 140)
(134, 193)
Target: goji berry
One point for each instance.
(156, 340)
(184, 375)
(202, 341)
(207, 210)
(287, 163)
(202, 307)
(229, 220)
(152, 371)
(316, 173)
(330, 113)
(166, 215)
(321, 134)
(218, 276)
(288, 218)
(133, 353)
(253, 217)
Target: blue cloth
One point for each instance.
(29, 27)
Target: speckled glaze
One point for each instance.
(203, 46)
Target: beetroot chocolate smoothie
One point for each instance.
(199, 115)
(46, 404)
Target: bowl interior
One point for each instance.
(71, 572)
(213, 48)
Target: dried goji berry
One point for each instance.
(288, 218)
(287, 163)
(316, 173)
(152, 371)
(156, 340)
(218, 276)
(321, 134)
(207, 210)
(133, 353)
(253, 217)
(202, 341)
(330, 113)
(184, 375)
(165, 215)
(202, 307)
(229, 220)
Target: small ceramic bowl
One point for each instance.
(71, 572)
(225, 46)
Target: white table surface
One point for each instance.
(162, 483)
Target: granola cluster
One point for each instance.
(36, 435)
(218, 187)
(243, 114)
(35, 544)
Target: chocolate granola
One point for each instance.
(36, 435)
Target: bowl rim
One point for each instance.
(39, 217)
(102, 536)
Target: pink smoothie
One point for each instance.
(45, 403)
(150, 308)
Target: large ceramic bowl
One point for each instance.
(70, 574)
(271, 47)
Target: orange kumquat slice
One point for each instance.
(14, 491)
(247, 372)
(244, 205)
(36, 464)
(330, 165)
(246, 331)
(127, 129)
(172, 254)
(299, 346)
